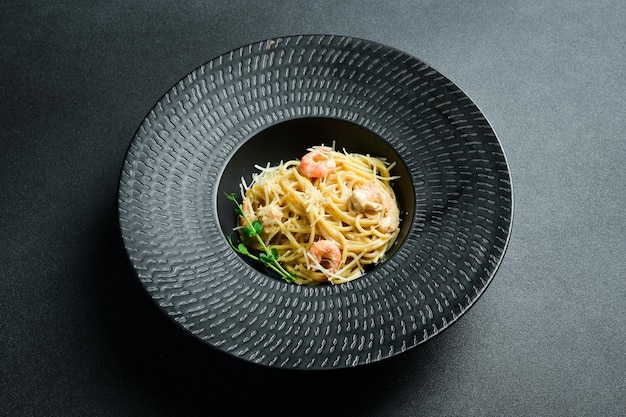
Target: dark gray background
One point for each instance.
(78, 336)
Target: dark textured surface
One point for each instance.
(454, 235)
(80, 336)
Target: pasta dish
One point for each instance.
(325, 216)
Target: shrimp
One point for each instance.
(246, 206)
(372, 200)
(326, 255)
(270, 216)
(391, 218)
(367, 199)
(315, 165)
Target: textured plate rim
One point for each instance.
(486, 282)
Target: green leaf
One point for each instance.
(243, 249)
(248, 231)
(258, 227)
(275, 253)
(265, 258)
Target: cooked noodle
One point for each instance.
(297, 211)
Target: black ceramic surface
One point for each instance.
(267, 102)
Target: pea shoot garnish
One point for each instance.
(252, 229)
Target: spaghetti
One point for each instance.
(328, 215)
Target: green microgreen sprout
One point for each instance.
(252, 229)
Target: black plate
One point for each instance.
(269, 101)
